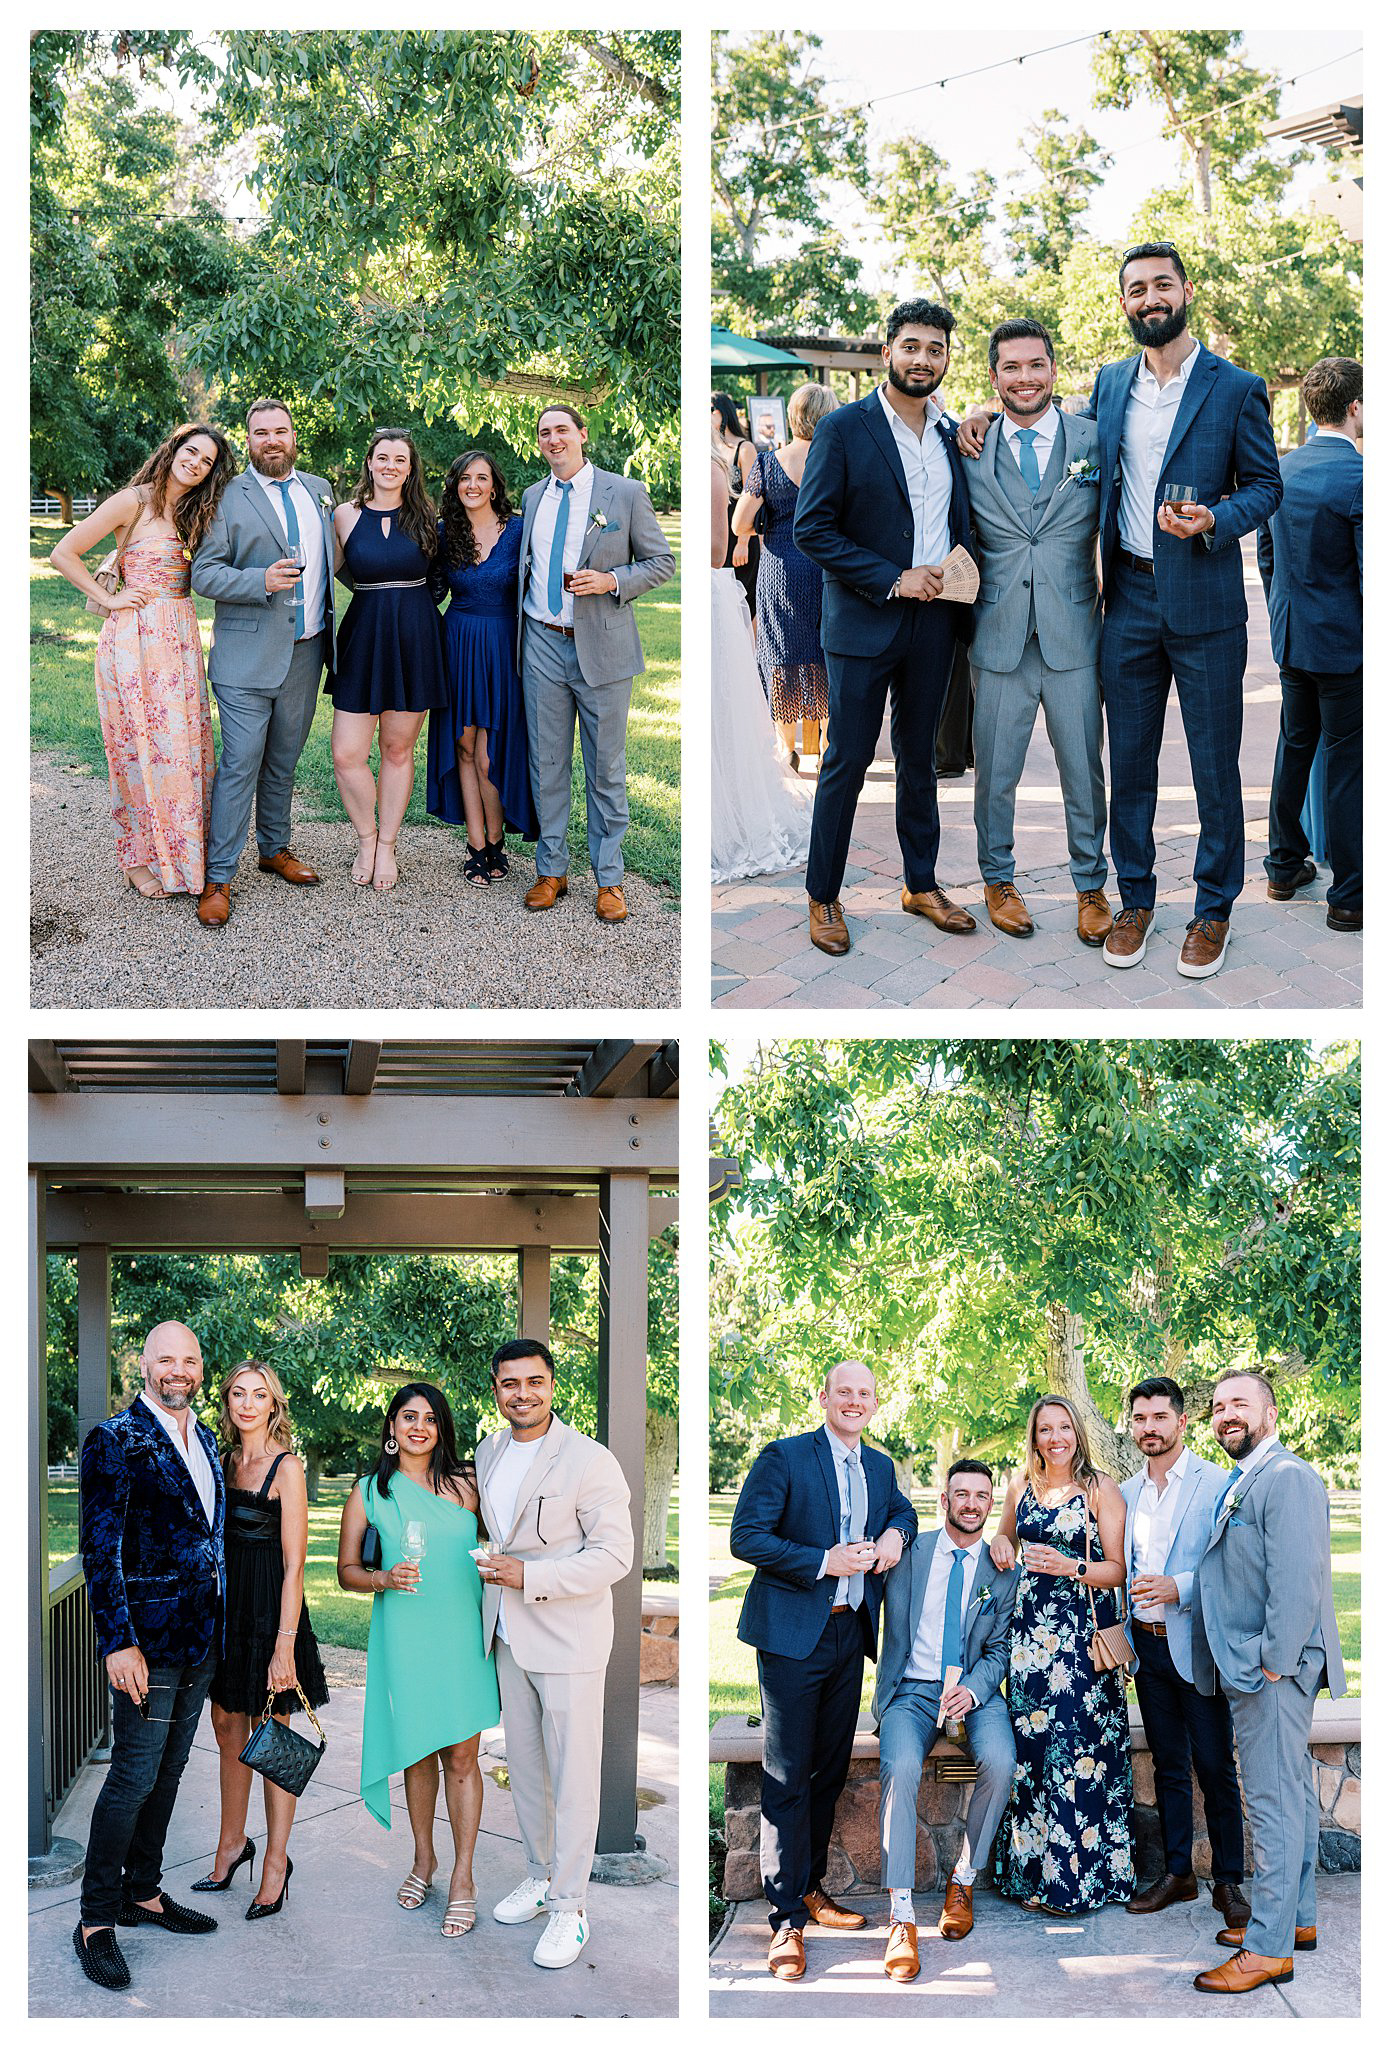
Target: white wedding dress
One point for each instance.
(760, 812)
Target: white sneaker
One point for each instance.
(566, 1935)
(524, 1902)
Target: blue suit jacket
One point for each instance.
(789, 1513)
(1200, 1493)
(854, 520)
(154, 1568)
(1311, 557)
(1222, 443)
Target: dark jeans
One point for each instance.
(1183, 1727)
(125, 1844)
(1312, 705)
(810, 1706)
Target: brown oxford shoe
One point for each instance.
(1229, 1901)
(1125, 945)
(956, 1918)
(1282, 892)
(1245, 1972)
(828, 1913)
(938, 909)
(544, 892)
(288, 867)
(1232, 1937)
(786, 1957)
(215, 904)
(1007, 911)
(1095, 917)
(902, 1952)
(610, 906)
(1206, 943)
(1167, 1891)
(827, 927)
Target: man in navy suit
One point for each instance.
(882, 504)
(1311, 557)
(821, 1519)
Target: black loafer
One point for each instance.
(175, 1919)
(101, 1959)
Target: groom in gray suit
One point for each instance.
(269, 647)
(946, 1604)
(590, 545)
(1035, 498)
(1264, 1630)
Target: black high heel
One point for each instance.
(255, 1912)
(220, 1884)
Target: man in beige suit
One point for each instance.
(559, 1504)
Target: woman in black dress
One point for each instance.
(268, 1644)
(391, 666)
(738, 451)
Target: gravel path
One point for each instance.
(430, 943)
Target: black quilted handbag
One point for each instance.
(281, 1755)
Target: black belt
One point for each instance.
(1141, 563)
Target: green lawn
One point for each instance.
(63, 639)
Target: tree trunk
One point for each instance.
(1064, 1374)
(314, 1466)
(65, 500)
(904, 1474)
(659, 1468)
(946, 1448)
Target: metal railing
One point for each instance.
(79, 1699)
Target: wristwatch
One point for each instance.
(1081, 1569)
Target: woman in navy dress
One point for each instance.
(390, 667)
(476, 757)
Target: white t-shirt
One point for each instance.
(509, 1478)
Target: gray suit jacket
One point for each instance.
(987, 1649)
(631, 543)
(1201, 1490)
(1053, 565)
(253, 634)
(1262, 1591)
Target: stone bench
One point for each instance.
(657, 1648)
(854, 1863)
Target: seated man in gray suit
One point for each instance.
(1264, 1630)
(273, 633)
(1038, 624)
(945, 1604)
(590, 545)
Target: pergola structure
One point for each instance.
(320, 1146)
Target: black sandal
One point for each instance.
(496, 855)
(476, 867)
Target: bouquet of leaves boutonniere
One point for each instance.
(602, 525)
(982, 1597)
(326, 503)
(1232, 1502)
(1080, 471)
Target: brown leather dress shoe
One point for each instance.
(1232, 1937)
(1206, 943)
(1095, 916)
(828, 1913)
(938, 909)
(215, 904)
(1007, 910)
(544, 892)
(1245, 1972)
(902, 1952)
(786, 1957)
(827, 927)
(1229, 1901)
(1125, 945)
(610, 906)
(288, 867)
(1343, 920)
(1167, 1891)
(1282, 892)
(956, 1918)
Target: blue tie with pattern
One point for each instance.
(856, 1521)
(1030, 464)
(557, 563)
(953, 1616)
(292, 541)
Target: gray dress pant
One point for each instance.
(908, 1730)
(1003, 719)
(263, 737)
(1272, 1729)
(557, 699)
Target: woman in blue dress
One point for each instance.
(390, 667)
(1065, 1844)
(477, 772)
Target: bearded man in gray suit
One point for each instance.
(1264, 1630)
(1037, 625)
(591, 544)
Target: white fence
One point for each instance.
(49, 508)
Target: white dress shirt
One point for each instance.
(926, 1652)
(928, 479)
(1153, 1530)
(314, 582)
(841, 1453)
(1146, 430)
(191, 1451)
(506, 1482)
(543, 527)
(1045, 425)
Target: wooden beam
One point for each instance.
(290, 1066)
(324, 1197)
(37, 1625)
(662, 1072)
(314, 1262)
(534, 1292)
(360, 1068)
(93, 1337)
(48, 1070)
(622, 1416)
(613, 1065)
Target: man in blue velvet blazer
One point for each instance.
(1311, 558)
(882, 504)
(821, 1519)
(152, 1553)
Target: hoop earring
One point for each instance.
(390, 1447)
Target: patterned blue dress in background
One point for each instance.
(483, 687)
(788, 604)
(1066, 1837)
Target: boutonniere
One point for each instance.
(1232, 1499)
(1080, 471)
(982, 1597)
(326, 503)
(602, 525)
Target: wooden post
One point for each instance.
(40, 1705)
(93, 1338)
(534, 1292)
(622, 1408)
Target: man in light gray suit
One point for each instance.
(590, 545)
(1170, 1518)
(1035, 500)
(1264, 1630)
(945, 1604)
(273, 633)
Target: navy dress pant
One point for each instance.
(1185, 1728)
(1312, 705)
(810, 1706)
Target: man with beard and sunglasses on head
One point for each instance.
(882, 504)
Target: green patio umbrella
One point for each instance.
(734, 352)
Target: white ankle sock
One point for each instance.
(964, 1872)
(902, 1907)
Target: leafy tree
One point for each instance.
(1216, 104)
(1042, 218)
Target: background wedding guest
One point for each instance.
(741, 551)
(152, 696)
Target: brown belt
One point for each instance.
(1153, 1628)
(843, 1608)
(547, 626)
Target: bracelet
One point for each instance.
(285, 1631)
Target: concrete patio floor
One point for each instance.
(342, 1947)
(1017, 1965)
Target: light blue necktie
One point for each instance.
(292, 541)
(1030, 466)
(953, 1615)
(558, 551)
(856, 1521)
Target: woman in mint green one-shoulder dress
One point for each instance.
(431, 1687)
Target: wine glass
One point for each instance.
(413, 1546)
(295, 553)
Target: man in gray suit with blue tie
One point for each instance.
(1264, 1630)
(946, 1606)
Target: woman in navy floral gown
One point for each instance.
(1065, 1844)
